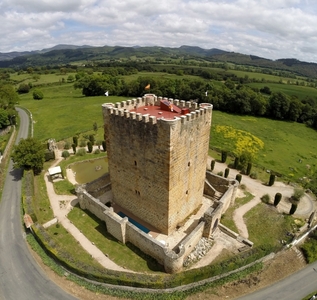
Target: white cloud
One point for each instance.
(272, 29)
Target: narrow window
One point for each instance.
(135, 163)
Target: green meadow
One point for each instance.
(289, 148)
(291, 90)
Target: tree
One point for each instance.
(277, 199)
(23, 88)
(249, 167)
(239, 178)
(74, 148)
(4, 118)
(227, 172)
(29, 154)
(75, 141)
(89, 146)
(224, 155)
(104, 146)
(279, 105)
(272, 179)
(38, 95)
(212, 165)
(293, 209)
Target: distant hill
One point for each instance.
(65, 54)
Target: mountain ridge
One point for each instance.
(64, 54)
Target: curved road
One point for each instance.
(295, 287)
(20, 276)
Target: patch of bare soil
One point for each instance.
(274, 270)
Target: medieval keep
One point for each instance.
(158, 194)
(157, 154)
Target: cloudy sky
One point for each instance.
(269, 28)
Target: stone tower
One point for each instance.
(157, 153)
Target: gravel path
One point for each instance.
(258, 189)
(61, 205)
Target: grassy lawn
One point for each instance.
(64, 112)
(126, 256)
(64, 187)
(61, 236)
(288, 147)
(226, 218)
(42, 205)
(266, 226)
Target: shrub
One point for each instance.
(298, 194)
(23, 88)
(89, 146)
(81, 152)
(272, 179)
(82, 143)
(67, 145)
(239, 178)
(97, 151)
(224, 155)
(277, 199)
(220, 173)
(65, 154)
(310, 248)
(38, 95)
(293, 209)
(49, 155)
(266, 198)
(254, 175)
(249, 167)
(212, 165)
(227, 172)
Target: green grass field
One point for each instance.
(64, 112)
(291, 90)
(288, 147)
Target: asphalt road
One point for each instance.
(20, 276)
(295, 287)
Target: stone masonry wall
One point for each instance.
(157, 166)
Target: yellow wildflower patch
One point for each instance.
(244, 142)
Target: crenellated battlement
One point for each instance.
(147, 110)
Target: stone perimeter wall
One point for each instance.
(124, 231)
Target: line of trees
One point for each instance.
(228, 97)
(8, 98)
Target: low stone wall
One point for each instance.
(193, 238)
(99, 186)
(124, 231)
(235, 235)
(227, 187)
